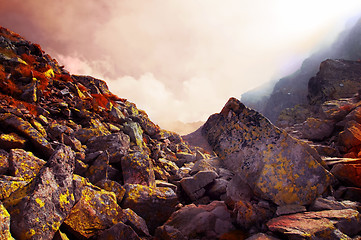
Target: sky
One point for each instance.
(180, 59)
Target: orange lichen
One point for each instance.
(99, 100)
(18, 104)
(64, 77)
(29, 59)
(14, 37)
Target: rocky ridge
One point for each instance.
(77, 162)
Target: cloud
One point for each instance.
(178, 60)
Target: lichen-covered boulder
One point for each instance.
(348, 173)
(4, 161)
(194, 186)
(24, 164)
(316, 129)
(11, 140)
(275, 165)
(116, 144)
(9, 184)
(119, 231)
(137, 168)
(38, 209)
(4, 223)
(154, 205)
(26, 129)
(112, 186)
(95, 210)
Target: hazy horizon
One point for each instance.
(180, 60)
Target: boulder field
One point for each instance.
(78, 162)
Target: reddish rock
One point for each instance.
(206, 221)
(119, 231)
(261, 236)
(348, 173)
(149, 202)
(351, 136)
(320, 225)
(24, 164)
(137, 168)
(38, 209)
(136, 222)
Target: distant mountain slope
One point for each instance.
(292, 90)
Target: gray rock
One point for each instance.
(194, 186)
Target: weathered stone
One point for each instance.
(60, 236)
(351, 136)
(167, 232)
(194, 186)
(331, 204)
(116, 144)
(250, 215)
(38, 209)
(135, 133)
(80, 167)
(205, 165)
(136, 222)
(114, 187)
(316, 129)
(96, 210)
(184, 157)
(161, 183)
(348, 173)
(119, 231)
(218, 188)
(290, 209)
(4, 162)
(137, 168)
(169, 166)
(4, 223)
(206, 221)
(8, 185)
(324, 150)
(24, 164)
(320, 225)
(96, 129)
(276, 166)
(26, 129)
(74, 143)
(11, 140)
(149, 202)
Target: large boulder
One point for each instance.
(38, 209)
(154, 205)
(275, 165)
(24, 164)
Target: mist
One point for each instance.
(179, 60)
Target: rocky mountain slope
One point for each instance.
(292, 90)
(77, 162)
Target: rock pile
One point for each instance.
(77, 162)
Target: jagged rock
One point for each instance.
(96, 129)
(135, 133)
(137, 168)
(119, 231)
(275, 165)
(348, 173)
(331, 204)
(38, 209)
(24, 164)
(8, 185)
(161, 183)
(116, 145)
(194, 186)
(249, 215)
(80, 167)
(184, 157)
(205, 165)
(136, 222)
(336, 79)
(290, 209)
(26, 129)
(150, 202)
(100, 169)
(112, 186)
(4, 161)
(167, 232)
(351, 136)
(4, 223)
(96, 210)
(206, 221)
(169, 166)
(60, 236)
(316, 129)
(11, 141)
(320, 225)
(324, 150)
(74, 143)
(218, 188)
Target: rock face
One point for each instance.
(275, 165)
